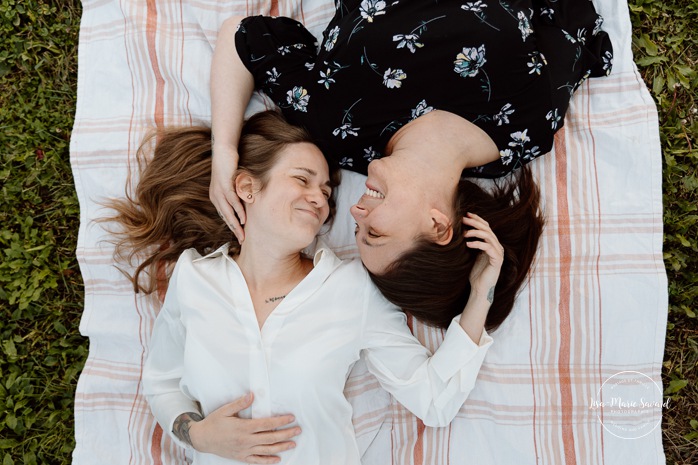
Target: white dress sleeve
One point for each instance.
(165, 361)
(433, 387)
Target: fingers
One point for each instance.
(241, 403)
(260, 425)
(481, 230)
(229, 208)
(262, 459)
(476, 221)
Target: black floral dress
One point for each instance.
(510, 67)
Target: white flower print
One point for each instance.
(581, 36)
(469, 61)
(298, 98)
(506, 155)
(346, 161)
(409, 41)
(421, 109)
(273, 76)
(369, 9)
(283, 50)
(392, 79)
(568, 36)
(332, 38)
(503, 116)
(475, 7)
(549, 12)
(607, 59)
(478, 9)
(524, 26)
(535, 65)
(310, 66)
(519, 138)
(531, 153)
(554, 118)
(370, 154)
(345, 130)
(597, 25)
(326, 78)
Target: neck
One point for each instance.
(450, 142)
(267, 267)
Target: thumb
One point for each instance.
(237, 405)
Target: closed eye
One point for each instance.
(370, 234)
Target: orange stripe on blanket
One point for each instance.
(419, 444)
(564, 308)
(156, 445)
(151, 30)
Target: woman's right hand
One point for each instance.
(225, 434)
(222, 191)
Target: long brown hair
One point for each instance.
(170, 210)
(431, 282)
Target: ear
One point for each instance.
(441, 226)
(244, 186)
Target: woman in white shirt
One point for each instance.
(280, 315)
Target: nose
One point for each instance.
(358, 212)
(317, 198)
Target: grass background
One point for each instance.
(41, 351)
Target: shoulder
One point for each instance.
(191, 261)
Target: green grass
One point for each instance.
(666, 50)
(40, 286)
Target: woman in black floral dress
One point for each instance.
(416, 93)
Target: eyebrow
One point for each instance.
(311, 173)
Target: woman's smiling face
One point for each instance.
(294, 202)
(392, 214)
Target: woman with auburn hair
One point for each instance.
(416, 95)
(278, 315)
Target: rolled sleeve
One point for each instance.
(164, 365)
(432, 387)
(275, 51)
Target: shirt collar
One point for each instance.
(318, 250)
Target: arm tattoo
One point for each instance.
(490, 295)
(182, 424)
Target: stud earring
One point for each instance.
(249, 196)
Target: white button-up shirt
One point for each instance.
(207, 347)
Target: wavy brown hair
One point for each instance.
(170, 210)
(431, 282)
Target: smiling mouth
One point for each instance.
(310, 212)
(375, 194)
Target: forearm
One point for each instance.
(231, 89)
(182, 426)
(473, 318)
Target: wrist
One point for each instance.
(484, 297)
(185, 426)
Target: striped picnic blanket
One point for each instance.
(574, 374)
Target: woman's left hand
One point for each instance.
(485, 272)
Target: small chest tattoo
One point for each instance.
(273, 299)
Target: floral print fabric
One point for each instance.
(508, 66)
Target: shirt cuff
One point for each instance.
(167, 407)
(459, 351)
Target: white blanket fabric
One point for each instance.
(574, 374)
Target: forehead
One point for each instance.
(302, 155)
